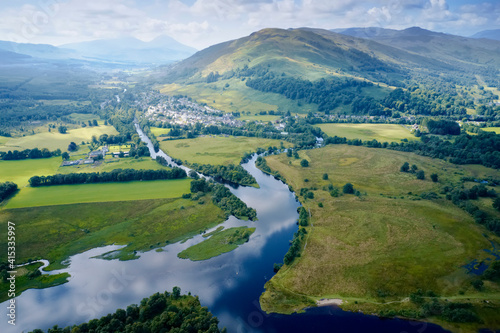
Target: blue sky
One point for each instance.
(201, 23)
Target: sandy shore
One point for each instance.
(329, 301)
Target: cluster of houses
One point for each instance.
(95, 155)
(183, 111)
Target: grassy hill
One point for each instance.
(386, 58)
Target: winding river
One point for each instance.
(229, 285)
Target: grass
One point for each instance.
(157, 131)
(365, 132)
(259, 117)
(237, 97)
(85, 117)
(24, 283)
(55, 140)
(219, 242)
(112, 163)
(492, 129)
(57, 232)
(20, 171)
(218, 150)
(84, 193)
(383, 245)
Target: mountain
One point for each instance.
(161, 50)
(42, 51)
(489, 34)
(381, 55)
(268, 69)
(454, 50)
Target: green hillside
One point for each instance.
(413, 58)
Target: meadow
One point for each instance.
(57, 232)
(237, 97)
(84, 193)
(492, 129)
(384, 244)
(157, 131)
(216, 150)
(21, 171)
(219, 242)
(54, 140)
(366, 132)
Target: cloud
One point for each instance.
(201, 23)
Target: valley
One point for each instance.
(345, 177)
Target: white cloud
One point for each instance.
(205, 22)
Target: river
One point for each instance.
(229, 285)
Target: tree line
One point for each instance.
(117, 175)
(161, 312)
(34, 153)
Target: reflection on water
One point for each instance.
(230, 284)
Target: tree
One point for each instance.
(496, 203)
(94, 122)
(434, 177)
(405, 167)
(348, 188)
(62, 129)
(193, 174)
(176, 292)
(72, 146)
(414, 168)
(304, 163)
(325, 176)
(65, 156)
(421, 174)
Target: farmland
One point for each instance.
(217, 150)
(54, 140)
(366, 132)
(71, 194)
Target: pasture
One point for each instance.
(54, 140)
(215, 150)
(492, 129)
(384, 244)
(367, 132)
(100, 192)
(157, 131)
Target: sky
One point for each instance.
(201, 23)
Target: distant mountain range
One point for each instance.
(490, 34)
(126, 51)
(132, 50)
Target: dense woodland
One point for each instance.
(117, 175)
(230, 173)
(161, 312)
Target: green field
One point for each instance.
(83, 193)
(57, 232)
(217, 150)
(219, 242)
(112, 163)
(385, 244)
(54, 140)
(85, 117)
(20, 171)
(157, 131)
(366, 132)
(492, 129)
